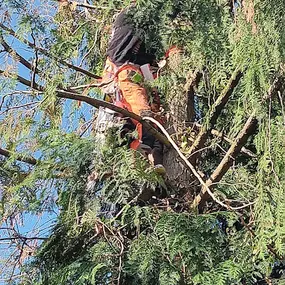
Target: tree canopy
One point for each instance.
(218, 215)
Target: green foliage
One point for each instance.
(109, 233)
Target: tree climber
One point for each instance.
(126, 68)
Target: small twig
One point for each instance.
(20, 106)
(34, 69)
(92, 84)
(282, 106)
(89, 51)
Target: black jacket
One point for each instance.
(126, 43)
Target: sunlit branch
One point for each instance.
(47, 53)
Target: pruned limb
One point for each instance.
(215, 111)
(48, 54)
(226, 162)
(29, 160)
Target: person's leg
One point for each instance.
(155, 145)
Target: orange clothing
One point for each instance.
(127, 78)
(132, 92)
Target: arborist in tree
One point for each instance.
(128, 65)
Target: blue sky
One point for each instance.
(33, 224)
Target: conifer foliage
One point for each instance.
(216, 218)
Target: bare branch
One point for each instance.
(22, 238)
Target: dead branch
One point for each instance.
(226, 162)
(215, 111)
(47, 53)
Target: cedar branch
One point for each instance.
(47, 53)
(95, 103)
(12, 52)
(215, 111)
(29, 160)
(226, 162)
(23, 80)
(99, 103)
